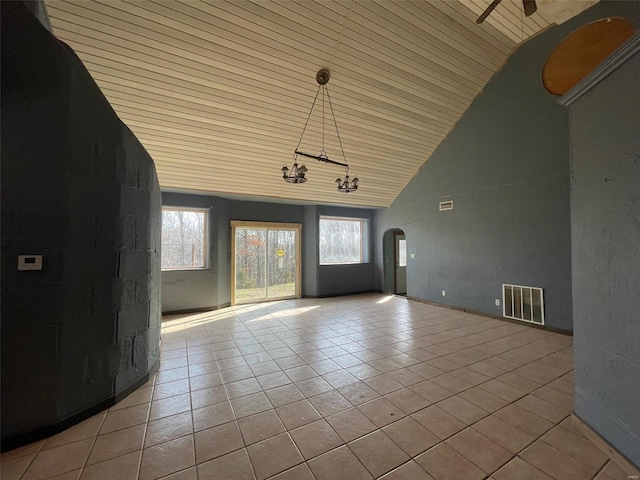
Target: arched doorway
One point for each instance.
(395, 261)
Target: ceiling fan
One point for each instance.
(528, 5)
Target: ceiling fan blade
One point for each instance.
(530, 7)
(489, 9)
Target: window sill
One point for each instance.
(184, 269)
(341, 264)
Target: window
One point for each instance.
(402, 253)
(342, 240)
(184, 234)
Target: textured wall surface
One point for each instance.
(185, 290)
(310, 254)
(506, 167)
(210, 287)
(354, 278)
(389, 261)
(79, 189)
(605, 216)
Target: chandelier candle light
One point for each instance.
(297, 173)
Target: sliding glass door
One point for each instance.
(266, 261)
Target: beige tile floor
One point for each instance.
(346, 388)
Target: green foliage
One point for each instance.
(243, 281)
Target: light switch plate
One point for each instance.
(29, 262)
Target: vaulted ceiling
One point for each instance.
(218, 92)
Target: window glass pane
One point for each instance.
(183, 238)
(508, 302)
(517, 302)
(251, 269)
(536, 301)
(340, 240)
(526, 303)
(402, 253)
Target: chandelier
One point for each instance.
(296, 175)
(297, 172)
(348, 184)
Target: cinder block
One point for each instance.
(132, 320)
(143, 291)
(127, 168)
(143, 234)
(123, 293)
(132, 201)
(104, 231)
(133, 264)
(125, 233)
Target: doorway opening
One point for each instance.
(395, 261)
(265, 261)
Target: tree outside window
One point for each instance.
(184, 233)
(341, 240)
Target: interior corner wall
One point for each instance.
(310, 252)
(80, 190)
(210, 288)
(505, 165)
(605, 216)
(348, 278)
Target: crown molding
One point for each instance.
(602, 71)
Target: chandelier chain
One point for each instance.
(324, 87)
(337, 132)
(308, 117)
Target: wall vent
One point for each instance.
(523, 303)
(448, 205)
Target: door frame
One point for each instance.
(396, 260)
(274, 226)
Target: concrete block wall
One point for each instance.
(79, 189)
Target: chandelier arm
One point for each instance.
(336, 125)
(320, 159)
(309, 116)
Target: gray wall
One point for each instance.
(79, 189)
(506, 166)
(353, 278)
(210, 288)
(605, 223)
(388, 255)
(310, 254)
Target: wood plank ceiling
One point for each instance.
(218, 92)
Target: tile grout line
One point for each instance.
(32, 460)
(244, 445)
(146, 425)
(332, 326)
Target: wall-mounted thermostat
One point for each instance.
(29, 262)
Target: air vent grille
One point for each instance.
(448, 205)
(523, 303)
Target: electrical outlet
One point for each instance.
(444, 294)
(412, 255)
(497, 302)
